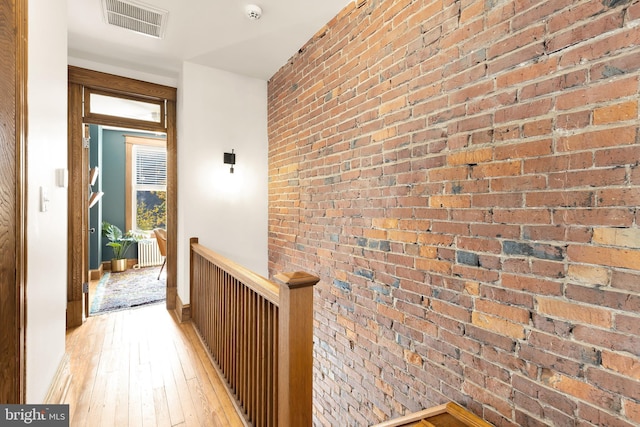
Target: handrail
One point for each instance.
(259, 335)
(259, 284)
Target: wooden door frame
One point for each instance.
(80, 78)
(13, 210)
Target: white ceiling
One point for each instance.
(214, 33)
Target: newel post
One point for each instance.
(295, 349)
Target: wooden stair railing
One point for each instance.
(259, 335)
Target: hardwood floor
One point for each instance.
(142, 368)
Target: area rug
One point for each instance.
(128, 289)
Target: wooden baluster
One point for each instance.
(295, 352)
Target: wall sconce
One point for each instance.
(230, 159)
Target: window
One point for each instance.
(104, 107)
(146, 184)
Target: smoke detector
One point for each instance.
(253, 12)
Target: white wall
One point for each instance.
(219, 111)
(46, 231)
(166, 80)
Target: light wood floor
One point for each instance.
(142, 368)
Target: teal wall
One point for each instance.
(95, 213)
(111, 152)
(113, 184)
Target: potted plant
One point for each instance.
(120, 243)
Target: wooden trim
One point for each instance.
(97, 274)
(144, 140)
(117, 84)
(172, 204)
(260, 335)
(61, 382)
(417, 416)
(146, 124)
(463, 416)
(254, 281)
(77, 195)
(79, 77)
(13, 209)
(124, 123)
(295, 349)
(21, 189)
(183, 311)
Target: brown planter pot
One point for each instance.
(118, 265)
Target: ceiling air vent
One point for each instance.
(138, 17)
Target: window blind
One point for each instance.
(151, 167)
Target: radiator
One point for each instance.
(148, 253)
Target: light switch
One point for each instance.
(44, 199)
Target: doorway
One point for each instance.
(127, 217)
(87, 91)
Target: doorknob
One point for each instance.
(92, 230)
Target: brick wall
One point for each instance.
(463, 176)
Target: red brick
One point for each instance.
(574, 120)
(522, 216)
(616, 113)
(523, 111)
(613, 90)
(601, 217)
(500, 326)
(518, 40)
(530, 284)
(570, 16)
(625, 280)
(496, 169)
(620, 65)
(560, 199)
(537, 128)
(534, 15)
(558, 163)
(618, 197)
(588, 178)
(595, 27)
(632, 410)
(410, 141)
(622, 364)
(503, 200)
(612, 257)
(518, 183)
(620, 385)
(553, 84)
(574, 312)
(511, 60)
(598, 139)
(617, 156)
(579, 389)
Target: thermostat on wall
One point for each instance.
(62, 178)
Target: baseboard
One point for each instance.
(183, 311)
(97, 274)
(75, 309)
(60, 385)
